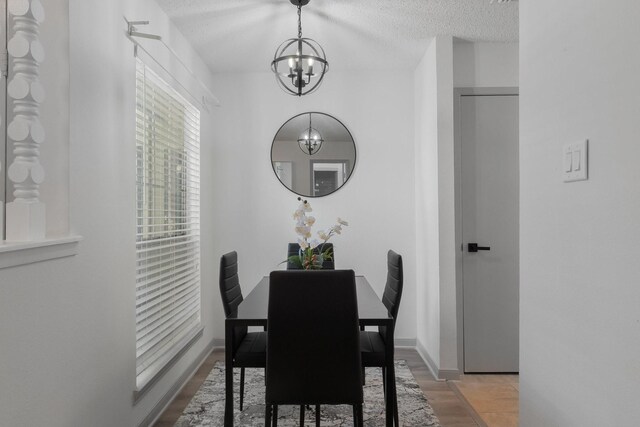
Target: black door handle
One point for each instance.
(473, 247)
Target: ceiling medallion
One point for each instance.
(299, 63)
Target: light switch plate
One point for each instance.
(575, 161)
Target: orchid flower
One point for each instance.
(303, 230)
(310, 254)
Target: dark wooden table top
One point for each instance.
(253, 309)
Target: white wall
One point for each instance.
(580, 298)
(54, 76)
(256, 209)
(68, 327)
(426, 199)
(437, 323)
(483, 64)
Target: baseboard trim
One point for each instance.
(449, 374)
(171, 394)
(405, 342)
(426, 358)
(439, 374)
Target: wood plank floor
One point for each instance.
(494, 398)
(451, 409)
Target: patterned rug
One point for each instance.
(207, 406)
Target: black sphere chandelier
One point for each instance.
(300, 63)
(310, 140)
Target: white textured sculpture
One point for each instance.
(26, 218)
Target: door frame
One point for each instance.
(344, 162)
(458, 93)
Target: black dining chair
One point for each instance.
(294, 248)
(313, 356)
(372, 343)
(249, 348)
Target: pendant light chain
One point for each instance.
(299, 21)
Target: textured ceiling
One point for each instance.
(242, 35)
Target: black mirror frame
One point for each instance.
(355, 154)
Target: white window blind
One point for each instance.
(168, 223)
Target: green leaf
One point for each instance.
(328, 254)
(295, 260)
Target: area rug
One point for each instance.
(207, 406)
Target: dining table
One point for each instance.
(252, 311)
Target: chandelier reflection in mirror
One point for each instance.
(310, 140)
(316, 175)
(300, 63)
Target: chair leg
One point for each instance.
(267, 415)
(317, 415)
(275, 415)
(301, 415)
(396, 414)
(387, 395)
(384, 381)
(362, 328)
(394, 393)
(358, 416)
(241, 388)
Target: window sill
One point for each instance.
(13, 254)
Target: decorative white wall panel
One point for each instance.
(26, 213)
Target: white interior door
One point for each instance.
(490, 200)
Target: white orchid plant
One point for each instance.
(312, 252)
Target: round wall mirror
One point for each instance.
(313, 154)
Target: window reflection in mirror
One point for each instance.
(303, 167)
